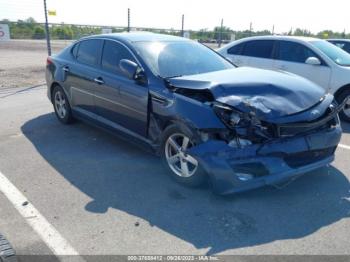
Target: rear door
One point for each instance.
(82, 72)
(259, 53)
(291, 57)
(119, 99)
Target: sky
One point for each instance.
(237, 14)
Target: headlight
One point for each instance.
(228, 115)
(243, 125)
(235, 118)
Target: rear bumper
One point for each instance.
(268, 164)
(49, 81)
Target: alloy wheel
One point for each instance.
(181, 163)
(346, 109)
(60, 104)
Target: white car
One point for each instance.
(312, 58)
(342, 43)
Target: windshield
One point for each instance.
(178, 58)
(338, 55)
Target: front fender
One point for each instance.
(193, 113)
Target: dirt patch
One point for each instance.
(22, 62)
(22, 77)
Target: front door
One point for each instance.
(119, 99)
(291, 57)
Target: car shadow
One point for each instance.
(118, 175)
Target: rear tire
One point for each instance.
(182, 167)
(7, 254)
(345, 113)
(61, 105)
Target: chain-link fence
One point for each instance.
(29, 43)
(32, 30)
(29, 29)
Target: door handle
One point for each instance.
(65, 68)
(99, 80)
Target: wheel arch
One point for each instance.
(341, 90)
(158, 124)
(52, 87)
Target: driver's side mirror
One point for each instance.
(132, 71)
(313, 61)
(129, 68)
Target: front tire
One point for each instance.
(184, 168)
(345, 113)
(61, 105)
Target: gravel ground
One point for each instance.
(22, 62)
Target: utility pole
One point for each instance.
(220, 34)
(250, 29)
(47, 31)
(273, 29)
(128, 19)
(182, 25)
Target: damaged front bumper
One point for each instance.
(235, 170)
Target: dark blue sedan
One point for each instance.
(239, 128)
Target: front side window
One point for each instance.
(259, 48)
(113, 52)
(89, 51)
(294, 52)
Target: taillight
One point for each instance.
(49, 61)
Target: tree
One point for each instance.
(302, 32)
(39, 32)
(226, 32)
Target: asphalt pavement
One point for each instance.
(105, 196)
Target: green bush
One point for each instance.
(39, 33)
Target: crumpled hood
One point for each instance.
(268, 93)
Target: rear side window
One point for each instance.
(294, 52)
(75, 50)
(343, 45)
(259, 48)
(339, 44)
(236, 50)
(113, 52)
(89, 51)
(347, 47)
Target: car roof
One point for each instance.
(282, 37)
(139, 37)
(339, 39)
